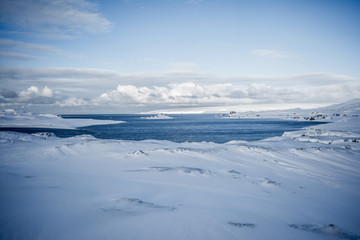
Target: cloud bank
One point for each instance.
(20, 45)
(100, 90)
(93, 76)
(18, 56)
(192, 94)
(179, 95)
(31, 95)
(55, 19)
(269, 53)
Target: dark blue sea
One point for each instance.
(182, 128)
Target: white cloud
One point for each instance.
(182, 65)
(61, 18)
(192, 94)
(321, 78)
(101, 79)
(18, 56)
(47, 92)
(269, 53)
(94, 89)
(72, 102)
(13, 49)
(41, 97)
(19, 73)
(176, 94)
(335, 92)
(34, 94)
(182, 95)
(20, 45)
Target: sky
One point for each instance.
(132, 56)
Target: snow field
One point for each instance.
(12, 118)
(297, 186)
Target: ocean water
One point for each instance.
(182, 128)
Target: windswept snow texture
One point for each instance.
(302, 185)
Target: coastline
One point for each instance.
(12, 119)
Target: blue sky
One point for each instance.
(183, 55)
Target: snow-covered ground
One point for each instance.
(12, 118)
(159, 116)
(302, 185)
(331, 113)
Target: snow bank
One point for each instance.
(12, 118)
(302, 185)
(332, 113)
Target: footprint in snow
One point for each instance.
(236, 174)
(269, 182)
(242, 225)
(133, 206)
(188, 170)
(329, 229)
(137, 153)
